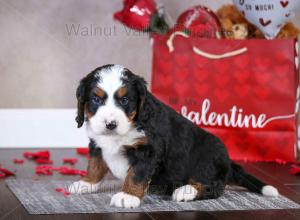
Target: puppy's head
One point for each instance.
(109, 99)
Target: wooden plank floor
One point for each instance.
(277, 175)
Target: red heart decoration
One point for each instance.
(262, 77)
(282, 70)
(242, 75)
(221, 95)
(222, 81)
(181, 74)
(201, 89)
(262, 92)
(200, 61)
(284, 83)
(202, 74)
(165, 80)
(242, 90)
(165, 65)
(164, 52)
(201, 22)
(182, 59)
(181, 88)
(281, 55)
(241, 61)
(262, 63)
(221, 66)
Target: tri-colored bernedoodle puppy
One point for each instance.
(144, 142)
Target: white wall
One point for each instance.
(40, 128)
(41, 64)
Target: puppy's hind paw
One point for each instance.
(185, 193)
(269, 191)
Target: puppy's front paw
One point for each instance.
(125, 200)
(83, 187)
(184, 193)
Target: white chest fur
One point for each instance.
(112, 150)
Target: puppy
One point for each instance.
(144, 142)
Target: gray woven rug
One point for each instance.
(40, 197)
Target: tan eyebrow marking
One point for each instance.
(99, 92)
(122, 92)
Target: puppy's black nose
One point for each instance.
(111, 125)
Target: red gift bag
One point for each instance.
(243, 91)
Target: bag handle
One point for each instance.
(196, 50)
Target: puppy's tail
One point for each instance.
(240, 177)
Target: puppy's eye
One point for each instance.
(97, 100)
(124, 100)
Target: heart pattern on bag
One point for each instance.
(242, 90)
(221, 94)
(201, 89)
(182, 59)
(203, 74)
(242, 75)
(241, 61)
(259, 81)
(282, 70)
(181, 88)
(182, 73)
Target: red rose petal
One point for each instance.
(70, 160)
(5, 173)
(294, 170)
(43, 170)
(82, 151)
(39, 154)
(66, 193)
(48, 170)
(18, 161)
(61, 190)
(71, 171)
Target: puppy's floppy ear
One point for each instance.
(80, 95)
(141, 87)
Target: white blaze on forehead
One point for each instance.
(111, 79)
